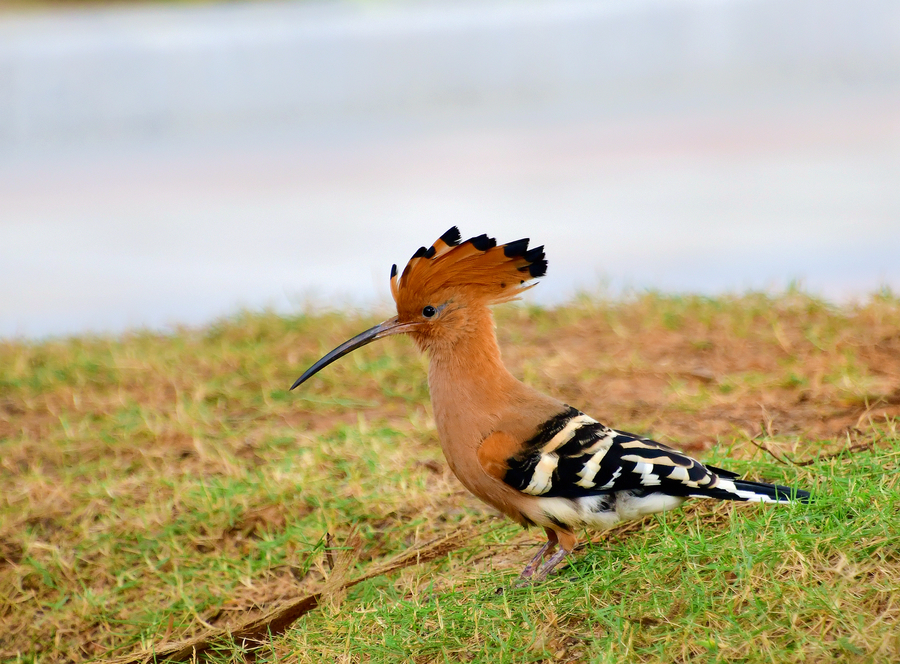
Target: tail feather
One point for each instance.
(721, 472)
(759, 492)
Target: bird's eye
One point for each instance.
(429, 311)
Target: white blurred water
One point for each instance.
(169, 165)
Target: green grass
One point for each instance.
(153, 485)
(709, 583)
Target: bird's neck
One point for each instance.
(471, 389)
(473, 396)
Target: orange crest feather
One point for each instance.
(476, 269)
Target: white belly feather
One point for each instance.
(603, 511)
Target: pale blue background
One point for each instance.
(166, 165)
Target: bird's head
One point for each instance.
(442, 288)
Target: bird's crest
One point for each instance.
(478, 268)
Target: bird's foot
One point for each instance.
(528, 572)
(549, 564)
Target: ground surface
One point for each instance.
(155, 486)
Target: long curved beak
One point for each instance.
(385, 329)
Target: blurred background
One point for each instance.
(165, 164)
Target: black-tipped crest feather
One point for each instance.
(479, 268)
(482, 242)
(452, 237)
(516, 248)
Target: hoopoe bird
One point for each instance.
(537, 460)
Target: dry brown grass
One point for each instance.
(157, 485)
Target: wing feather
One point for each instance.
(574, 456)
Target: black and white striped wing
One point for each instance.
(574, 456)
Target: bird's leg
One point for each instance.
(567, 541)
(548, 547)
(550, 563)
(539, 556)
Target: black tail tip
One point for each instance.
(786, 493)
(802, 496)
(774, 492)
